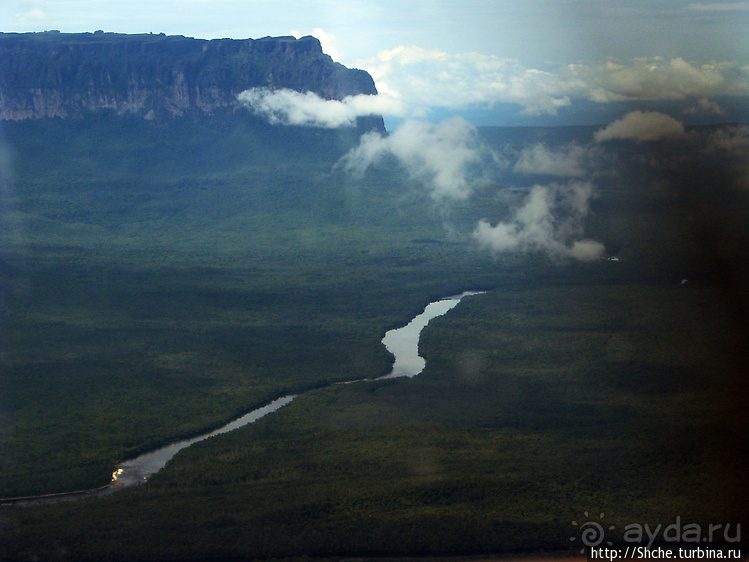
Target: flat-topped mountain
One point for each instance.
(54, 74)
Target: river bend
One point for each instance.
(402, 342)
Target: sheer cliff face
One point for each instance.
(68, 75)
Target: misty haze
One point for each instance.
(414, 281)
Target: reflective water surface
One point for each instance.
(135, 471)
(403, 343)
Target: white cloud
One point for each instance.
(656, 79)
(734, 140)
(433, 78)
(586, 250)
(452, 163)
(448, 157)
(642, 126)
(549, 220)
(704, 105)
(289, 107)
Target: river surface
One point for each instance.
(135, 471)
(402, 342)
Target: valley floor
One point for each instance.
(154, 289)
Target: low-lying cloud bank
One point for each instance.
(642, 126)
(448, 157)
(411, 80)
(432, 78)
(289, 107)
(550, 220)
(450, 161)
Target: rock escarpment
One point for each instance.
(64, 75)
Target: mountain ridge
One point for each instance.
(157, 76)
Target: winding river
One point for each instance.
(402, 342)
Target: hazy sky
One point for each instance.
(537, 55)
(533, 31)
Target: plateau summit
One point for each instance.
(155, 76)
